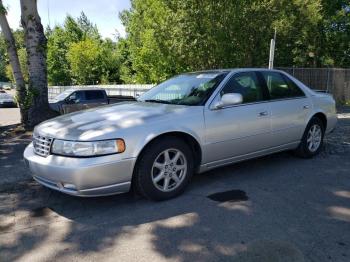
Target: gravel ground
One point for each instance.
(283, 209)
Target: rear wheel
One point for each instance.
(312, 141)
(164, 169)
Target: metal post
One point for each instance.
(272, 50)
(328, 80)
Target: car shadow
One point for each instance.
(269, 223)
(294, 210)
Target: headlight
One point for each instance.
(85, 149)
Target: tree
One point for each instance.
(336, 32)
(57, 63)
(83, 58)
(125, 69)
(87, 27)
(168, 37)
(15, 64)
(110, 62)
(60, 39)
(3, 61)
(22, 56)
(36, 44)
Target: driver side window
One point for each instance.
(75, 97)
(246, 84)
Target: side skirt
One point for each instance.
(232, 160)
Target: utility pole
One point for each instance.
(272, 50)
(48, 12)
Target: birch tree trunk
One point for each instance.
(36, 46)
(14, 62)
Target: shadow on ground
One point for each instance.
(295, 210)
(297, 215)
(13, 141)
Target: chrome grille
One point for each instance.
(42, 145)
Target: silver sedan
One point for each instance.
(188, 124)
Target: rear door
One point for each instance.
(239, 129)
(289, 108)
(94, 98)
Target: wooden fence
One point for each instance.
(334, 80)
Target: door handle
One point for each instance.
(306, 106)
(264, 113)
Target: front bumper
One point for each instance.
(95, 176)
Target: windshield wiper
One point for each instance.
(157, 101)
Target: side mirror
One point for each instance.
(229, 100)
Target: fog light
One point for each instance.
(69, 186)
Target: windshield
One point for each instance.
(63, 95)
(186, 89)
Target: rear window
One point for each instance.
(94, 94)
(281, 87)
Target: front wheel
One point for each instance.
(312, 141)
(164, 169)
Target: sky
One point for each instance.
(103, 13)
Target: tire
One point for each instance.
(152, 169)
(305, 150)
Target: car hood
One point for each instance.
(104, 122)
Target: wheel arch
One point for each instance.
(186, 137)
(322, 116)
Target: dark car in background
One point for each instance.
(7, 100)
(73, 100)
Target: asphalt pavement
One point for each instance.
(275, 208)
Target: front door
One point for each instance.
(240, 129)
(73, 102)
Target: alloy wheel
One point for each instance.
(169, 170)
(314, 138)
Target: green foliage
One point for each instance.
(336, 32)
(83, 58)
(125, 70)
(57, 64)
(167, 37)
(5, 69)
(78, 55)
(22, 56)
(3, 61)
(3, 10)
(87, 27)
(110, 61)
